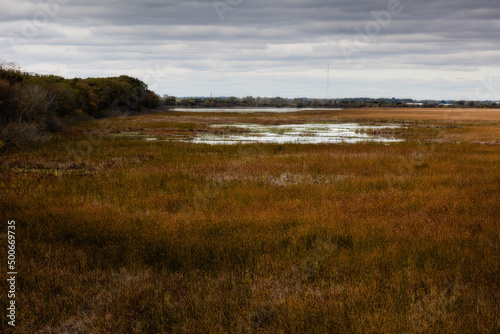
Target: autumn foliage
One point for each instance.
(31, 104)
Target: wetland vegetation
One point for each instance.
(122, 235)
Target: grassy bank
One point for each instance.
(121, 235)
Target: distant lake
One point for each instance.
(251, 110)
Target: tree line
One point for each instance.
(32, 105)
(279, 102)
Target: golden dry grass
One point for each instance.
(120, 235)
(439, 114)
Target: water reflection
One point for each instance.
(250, 110)
(301, 134)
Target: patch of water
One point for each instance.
(250, 110)
(299, 133)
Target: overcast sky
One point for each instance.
(422, 49)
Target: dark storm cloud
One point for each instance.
(201, 41)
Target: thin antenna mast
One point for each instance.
(328, 81)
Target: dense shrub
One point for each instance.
(32, 104)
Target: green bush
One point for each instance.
(32, 104)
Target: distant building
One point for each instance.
(414, 104)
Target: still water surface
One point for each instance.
(301, 134)
(250, 110)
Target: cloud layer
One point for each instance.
(424, 49)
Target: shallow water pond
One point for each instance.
(300, 133)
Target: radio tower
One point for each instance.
(328, 81)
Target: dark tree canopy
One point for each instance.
(30, 102)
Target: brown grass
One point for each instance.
(436, 114)
(121, 235)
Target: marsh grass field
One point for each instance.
(117, 234)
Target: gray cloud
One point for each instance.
(425, 49)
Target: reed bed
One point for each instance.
(123, 235)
